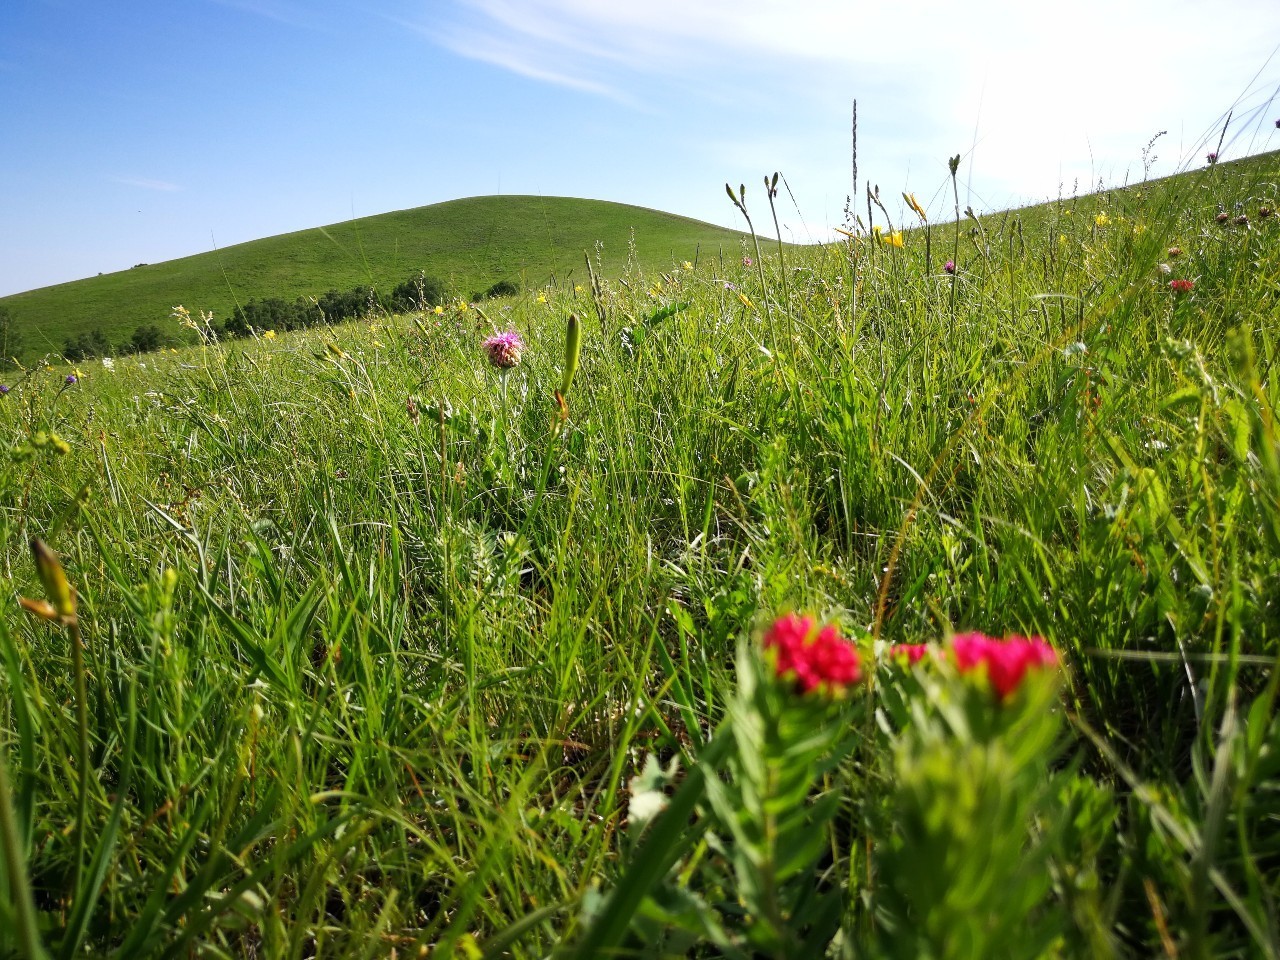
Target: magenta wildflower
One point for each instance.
(913, 653)
(1182, 286)
(747, 261)
(504, 349)
(822, 659)
(1212, 157)
(1006, 661)
(949, 266)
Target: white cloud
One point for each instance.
(1037, 93)
(164, 186)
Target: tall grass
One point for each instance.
(373, 647)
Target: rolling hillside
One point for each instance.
(468, 243)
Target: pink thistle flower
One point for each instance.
(822, 659)
(913, 653)
(504, 349)
(949, 266)
(1212, 157)
(1182, 286)
(1006, 661)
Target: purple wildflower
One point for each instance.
(949, 266)
(1212, 157)
(4, 388)
(504, 349)
(72, 380)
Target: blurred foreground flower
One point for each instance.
(504, 349)
(822, 659)
(1007, 661)
(912, 653)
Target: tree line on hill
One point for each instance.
(419, 292)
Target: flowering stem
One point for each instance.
(955, 246)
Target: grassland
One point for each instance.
(377, 638)
(470, 244)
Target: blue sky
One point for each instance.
(137, 131)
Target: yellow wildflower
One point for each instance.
(1101, 220)
(577, 288)
(687, 265)
(438, 310)
(542, 298)
(268, 335)
(895, 239)
(914, 204)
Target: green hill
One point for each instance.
(468, 243)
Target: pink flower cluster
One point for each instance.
(504, 349)
(913, 653)
(812, 659)
(1182, 286)
(1007, 661)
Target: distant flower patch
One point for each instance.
(1006, 661)
(910, 653)
(814, 659)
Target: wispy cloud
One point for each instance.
(513, 55)
(287, 12)
(1084, 90)
(143, 183)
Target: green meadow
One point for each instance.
(468, 244)
(378, 649)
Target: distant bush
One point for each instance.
(86, 346)
(274, 313)
(417, 293)
(503, 288)
(146, 339)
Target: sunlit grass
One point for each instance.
(376, 633)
